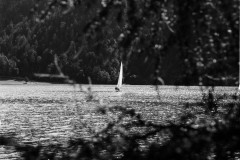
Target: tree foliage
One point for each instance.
(201, 38)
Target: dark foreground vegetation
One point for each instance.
(91, 39)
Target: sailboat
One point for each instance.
(120, 77)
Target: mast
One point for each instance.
(119, 84)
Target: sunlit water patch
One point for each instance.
(47, 114)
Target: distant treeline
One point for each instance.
(28, 47)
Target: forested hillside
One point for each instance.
(197, 44)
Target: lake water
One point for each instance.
(46, 114)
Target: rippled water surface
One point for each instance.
(44, 114)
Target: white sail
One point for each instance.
(120, 77)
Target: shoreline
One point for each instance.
(20, 82)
